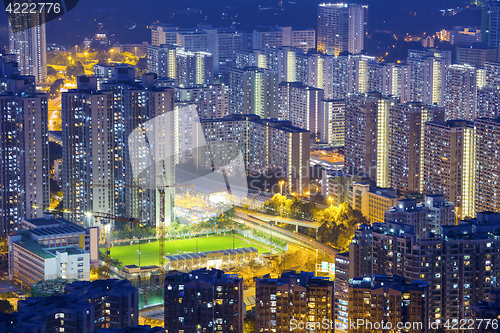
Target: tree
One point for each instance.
(51, 71)
(249, 324)
(55, 88)
(254, 266)
(338, 225)
(60, 59)
(6, 307)
(75, 70)
(4, 248)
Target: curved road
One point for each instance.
(285, 234)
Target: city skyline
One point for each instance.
(229, 169)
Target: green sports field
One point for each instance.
(129, 254)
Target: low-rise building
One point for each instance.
(50, 248)
(190, 261)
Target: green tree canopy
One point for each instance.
(338, 225)
(75, 70)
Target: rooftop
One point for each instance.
(48, 253)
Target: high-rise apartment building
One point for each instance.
(460, 93)
(487, 161)
(488, 102)
(367, 135)
(276, 37)
(301, 105)
(203, 300)
(193, 68)
(192, 40)
(88, 150)
(29, 44)
(163, 34)
(341, 310)
(271, 37)
(187, 68)
(459, 260)
(427, 75)
(24, 153)
(84, 307)
(282, 60)
(293, 301)
(162, 60)
(406, 137)
(425, 217)
(361, 253)
(384, 139)
(362, 76)
(492, 70)
(488, 95)
(390, 300)
(304, 39)
(341, 27)
(332, 75)
(267, 145)
(253, 91)
(490, 29)
(97, 125)
(446, 170)
(212, 101)
(332, 122)
(222, 44)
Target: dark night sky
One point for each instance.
(118, 16)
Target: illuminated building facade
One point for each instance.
(388, 299)
(267, 145)
(460, 93)
(406, 137)
(253, 91)
(487, 162)
(446, 170)
(332, 122)
(29, 45)
(427, 75)
(301, 105)
(24, 152)
(341, 27)
(293, 298)
(203, 300)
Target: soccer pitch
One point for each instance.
(129, 254)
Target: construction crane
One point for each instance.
(105, 220)
(161, 223)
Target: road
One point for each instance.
(284, 234)
(55, 121)
(286, 220)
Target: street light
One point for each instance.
(281, 186)
(331, 201)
